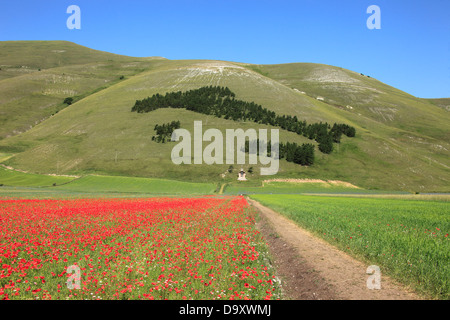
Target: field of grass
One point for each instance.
(20, 179)
(111, 184)
(393, 195)
(20, 184)
(408, 239)
(275, 187)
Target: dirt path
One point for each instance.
(336, 275)
(222, 187)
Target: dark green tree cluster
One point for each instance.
(299, 154)
(68, 100)
(221, 102)
(164, 131)
(338, 129)
(206, 100)
(292, 152)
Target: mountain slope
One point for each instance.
(362, 95)
(23, 57)
(443, 103)
(36, 77)
(100, 134)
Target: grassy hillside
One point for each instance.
(443, 103)
(111, 184)
(98, 134)
(36, 77)
(362, 95)
(23, 57)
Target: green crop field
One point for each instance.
(28, 185)
(280, 187)
(20, 179)
(407, 239)
(137, 185)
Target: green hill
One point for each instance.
(401, 141)
(37, 76)
(443, 103)
(20, 57)
(362, 95)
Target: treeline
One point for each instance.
(221, 102)
(164, 131)
(291, 151)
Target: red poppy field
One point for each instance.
(156, 248)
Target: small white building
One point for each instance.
(241, 175)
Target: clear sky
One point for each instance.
(411, 51)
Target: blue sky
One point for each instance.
(411, 51)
